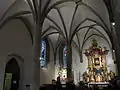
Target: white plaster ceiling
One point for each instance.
(60, 20)
(4, 5)
(67, 10)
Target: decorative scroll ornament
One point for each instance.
(97, 65)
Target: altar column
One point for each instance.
(69, 62)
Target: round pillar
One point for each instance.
(36, 56)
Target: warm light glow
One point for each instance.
(40, 58)
(113, 50)
(64, 74)
(64, 71)
(113, 23)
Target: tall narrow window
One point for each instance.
(43, 58)
(65, 56)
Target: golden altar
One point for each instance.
(97, 65)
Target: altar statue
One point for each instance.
(98, 77)
(97, 65)
(86, 77)
(111, 75)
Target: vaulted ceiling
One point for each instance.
(73, 21)
(110, 4)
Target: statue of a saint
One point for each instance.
(112, 75)
(86, 77)
(98, 77)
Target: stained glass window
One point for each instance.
(65, 56)
(43, 61)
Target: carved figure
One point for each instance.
(97, 66)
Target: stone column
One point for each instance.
(37, 46)
(36, 53)
(69, 61)
(36, 56)
(116, 40)
(116, 48)
(32, 74)
(117, 56)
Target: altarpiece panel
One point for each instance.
(97, 65)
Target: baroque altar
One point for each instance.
(97, 66)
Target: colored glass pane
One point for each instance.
(43, 54)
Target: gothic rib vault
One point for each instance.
(71, 21)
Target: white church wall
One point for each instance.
(78, 67)
(57, 66)
(15, 39)
(57, 69)
(47, 74)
